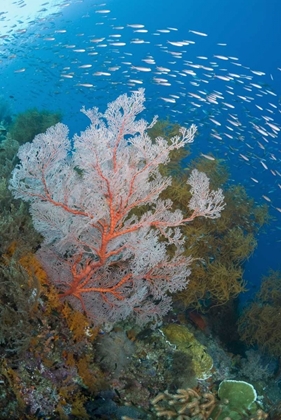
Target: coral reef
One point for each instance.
(19, 300)
(235, 401)
(239, 401)
(46, 348)
(56, 364)
(32, 122)
(114, 351)
(261, 321)
(184, 340)
(185, 404)
(219, 249)
(256, 367)
(15, 221)
(105, 259)
(47, 353)
(20, 288)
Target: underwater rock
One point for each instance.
(184, 340)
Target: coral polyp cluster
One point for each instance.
(184, 405)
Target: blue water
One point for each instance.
(52, 78)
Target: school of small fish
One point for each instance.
(236, 108)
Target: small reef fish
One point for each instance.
(207, 156)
